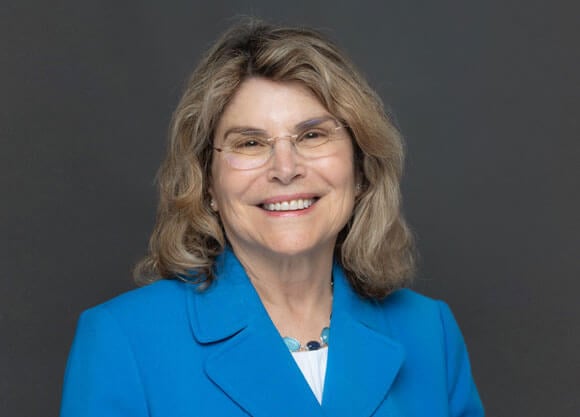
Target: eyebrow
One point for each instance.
(305, 124)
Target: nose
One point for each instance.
(285, 163)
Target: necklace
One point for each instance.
(295, 346)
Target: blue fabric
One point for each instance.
(169, 350)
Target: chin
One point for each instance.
(301, 247)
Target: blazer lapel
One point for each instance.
(363, 361)
(261, 376)
(251, 364)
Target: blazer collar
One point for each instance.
(227, 306)
(252, 365)
(363, 359)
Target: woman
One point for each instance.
(283, 252)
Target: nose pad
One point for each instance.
(284, 143)
(285, 162)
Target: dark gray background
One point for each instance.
(486, 93)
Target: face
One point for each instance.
(260, 208)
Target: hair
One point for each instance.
(375, 248)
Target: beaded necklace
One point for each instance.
(295, 346)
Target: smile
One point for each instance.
(299, 204)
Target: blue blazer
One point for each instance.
(169, 350)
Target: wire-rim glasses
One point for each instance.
(250, 148)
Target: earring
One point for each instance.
(212, 204)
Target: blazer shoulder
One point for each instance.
(434, 347)
(406, 309)
(407, 301)
(162, 295)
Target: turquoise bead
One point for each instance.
(292, 344)
(324, 335)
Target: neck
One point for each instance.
(295, 290)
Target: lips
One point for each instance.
(290, 205)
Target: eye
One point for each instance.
(313, 134)
(248, 145)
(312, 137)
(244, 142)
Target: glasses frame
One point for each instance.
(272, 142)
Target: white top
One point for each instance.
(312, 363)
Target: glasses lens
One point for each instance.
(311, 141)
(246, 151)
(244, 161)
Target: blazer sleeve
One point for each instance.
(101, 377)
(464, 399)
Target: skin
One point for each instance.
(288, 255)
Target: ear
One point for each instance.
(212, 201)
(359, 183)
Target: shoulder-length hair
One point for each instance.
(375, 248)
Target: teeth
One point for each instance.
(289, 205)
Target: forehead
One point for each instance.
(270, 105)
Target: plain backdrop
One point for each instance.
(486, 93)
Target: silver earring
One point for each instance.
(212, 204)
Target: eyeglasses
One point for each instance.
(249, 149)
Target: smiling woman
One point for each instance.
(290, 172)
(277, 263)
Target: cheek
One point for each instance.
(230, 187)
(340, 172)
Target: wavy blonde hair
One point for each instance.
(375, 247)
